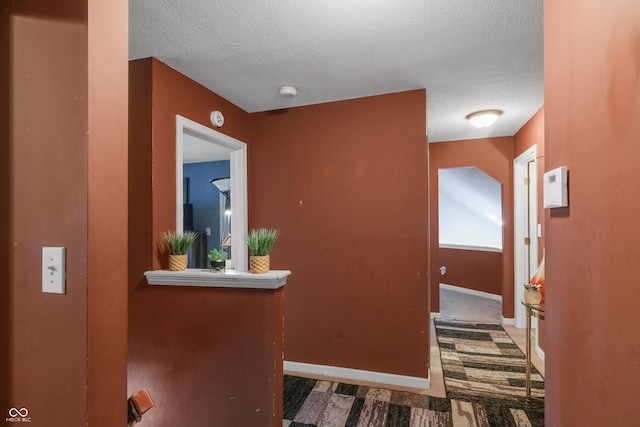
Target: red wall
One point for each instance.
(64, 172)
(207, 356)
(107, 210)
(532, 133)
(5, 210)
(493, 156)
(592, 106)
(472, 269)
(346, 182)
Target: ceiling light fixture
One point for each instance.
(288, 91)
(484, 118)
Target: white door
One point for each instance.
(525, 227)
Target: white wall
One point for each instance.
(470, 208)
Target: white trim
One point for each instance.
(358, 375)
(238, 174)
(520, 165)
(239, 223)
(471, 292)
(273, 279)
(507, 320)
(435, 314)
(539, 351)
(470, 248)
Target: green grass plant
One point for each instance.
(261, 240)
(179, 243)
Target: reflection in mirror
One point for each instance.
(223, 185)
(202, 156)
(469, 208)
(204, 208)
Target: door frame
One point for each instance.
(238, 174)
(521, 229)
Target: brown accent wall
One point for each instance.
(346, 182)
(472, 269)
(107, 211)
(64, 130)
(140, 238)
(494, 156)
(206, 356)
(592, 106)
(532, 133)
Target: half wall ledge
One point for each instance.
(273, 279)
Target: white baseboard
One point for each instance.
(538, 350)
(471, 292)
(507, 321)
(435, 314)
(358, 375)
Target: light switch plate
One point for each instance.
(53, 270)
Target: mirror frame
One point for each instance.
(238, 174)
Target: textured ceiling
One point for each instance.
(468, 54)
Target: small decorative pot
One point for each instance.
(178, 262)
(532, 294)
(219, 265)
(260, 264)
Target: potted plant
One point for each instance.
(178, 245)
(260, 242)
(217, 259)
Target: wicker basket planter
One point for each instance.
(260, 264)
(178, 262)
(178, 245)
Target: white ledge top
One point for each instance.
(273, 279)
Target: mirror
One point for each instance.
(223, 185)
(196, 143)
(207, 208)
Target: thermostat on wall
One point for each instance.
(555, 188)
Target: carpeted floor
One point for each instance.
(309, 402)
(484, 377)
